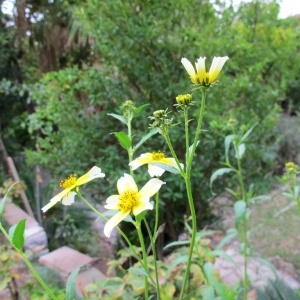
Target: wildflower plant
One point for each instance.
(133, 205)
(289, 178)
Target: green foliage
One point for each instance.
(130, 284)
(138, 46)
(16, 234)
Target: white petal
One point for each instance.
(150, 188)
(155, 171)
(189, 67)
(126, 183)
(95, 172)
(49, 205)
(114, 221)
(112, 202)
(68, 199)
(143, 205)
(201, 70)
(216, 67)
(144, 158)
(56, 199)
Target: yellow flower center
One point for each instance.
(158, 155)
(128, 200)
(70, 181)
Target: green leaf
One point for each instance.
(208, 293)
(239, 209)
(209, 272)
(138, 271)
(296, 191)
(123, 139)
(226, 240)
(177, 243)
(71, 285)
(120, 118)
(217, 173)
(140, 109)
(166, 167)
(2, 202)
(240, 152)
(247, 133)
(16, 234)
(145, 138)
(227, 142)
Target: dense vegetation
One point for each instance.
(65, 64)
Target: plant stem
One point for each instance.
(189, 192)
(142, 242)
(187, 139)
(31, 268)
(130, 150)
(156, 217)
(167, 138)
(245, 225)
(152, 241)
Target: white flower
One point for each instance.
(154, 157)
(199, 75)
(70, 185)
(130, 199)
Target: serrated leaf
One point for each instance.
(219, 172)
(138, 271)
(139, 109)
(120, 118)
(165, 167)
(145, 138)
(16, 234)
(227, 141)
(2, 202)
(240, 151)
(123, 139)
(71, 285)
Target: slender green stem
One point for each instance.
(142, 242)
(187, 138)
(152, 241)
(130, 150)
(190, 195)
(156, 217)
(38, 277)
(167, 138)
(31, 268)
(245, 225)
(198, 130)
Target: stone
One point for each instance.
(64, 260)
(85, 277)
(35, 236)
